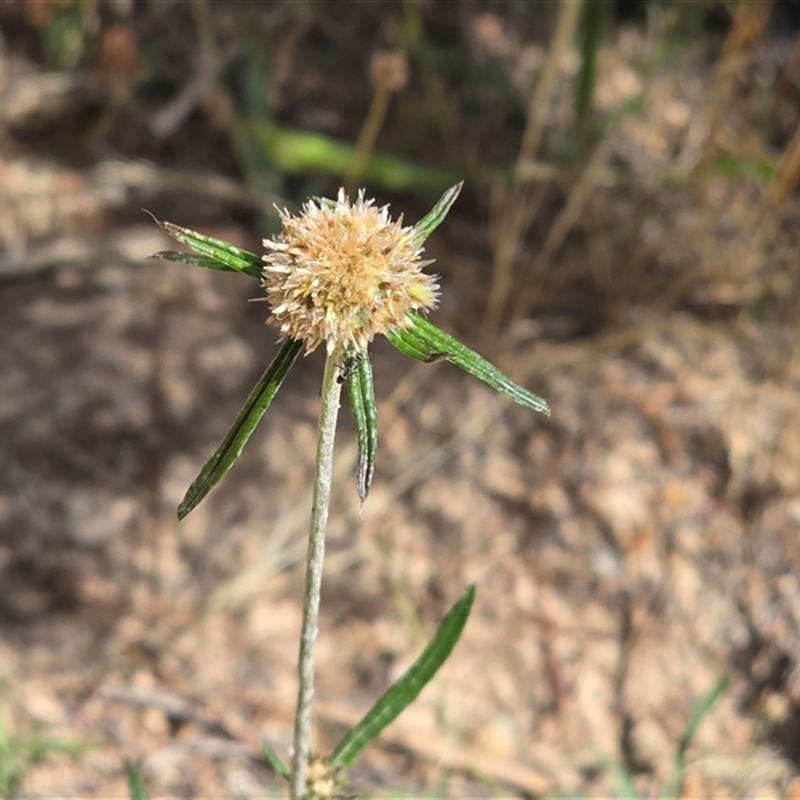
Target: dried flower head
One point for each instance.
(341, 273)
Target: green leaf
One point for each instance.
(626, 788)
(365, 414)
(229, 256)
(701, 711)
(278, 767)
(435, 340)
(673, 787)
(195, 260)
(299, 151)
(434, 218)
(407, 343)
(135, 787)
(408, 687)
(241, 430)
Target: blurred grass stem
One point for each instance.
(367, 137)
(545, 89)
(326, 433)
(388, 73)
(207, 90)
(738, 52)
(518, 208)
(540, 266)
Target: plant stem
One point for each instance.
(366, 139)
(326, 432)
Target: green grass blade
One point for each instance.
(230, 256)
(436, 340)
(135, 786)
(406, 690)
(434, 218)
(298, 151)
(701, 711)
(672, 788)
(241, 430)
(626, 788)
(592, 23)
(365, 414)
(278, 767)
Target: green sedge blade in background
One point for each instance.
(241, 430)
(361, 390)
(278, 767)
(135, 786)
(674, 785)
(408, 687)
(299, 151)
(437, 341)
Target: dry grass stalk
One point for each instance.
(738, 51)
(761, 218)
(513, 212)
(518, 208)
(540, 266)
(726, 270)
(537, 111)
(784, 182)
(762, 224)
(388, 73)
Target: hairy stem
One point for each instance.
(326, 432)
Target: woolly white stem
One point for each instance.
(326, 432)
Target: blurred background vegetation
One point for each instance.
(553, 113)
(631, 168)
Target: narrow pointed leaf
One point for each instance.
(195, 260)
(408, 687)
(233, 257)
(702, 710)
(406, 342)
(241, 430)
(461, 355)
(362, 402)
(626, 788)
(278, 767)
(298, 151)
(674, 785)
(136, 789)
(434, 218)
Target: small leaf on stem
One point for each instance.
(434, 218)
(135, 786)
(408, 687)
(194, 260)
(241, 430)
(407, 343)
(436, 340)
(278, 767)
(231, 257)
(362, 402)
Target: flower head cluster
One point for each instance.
(341, 273)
